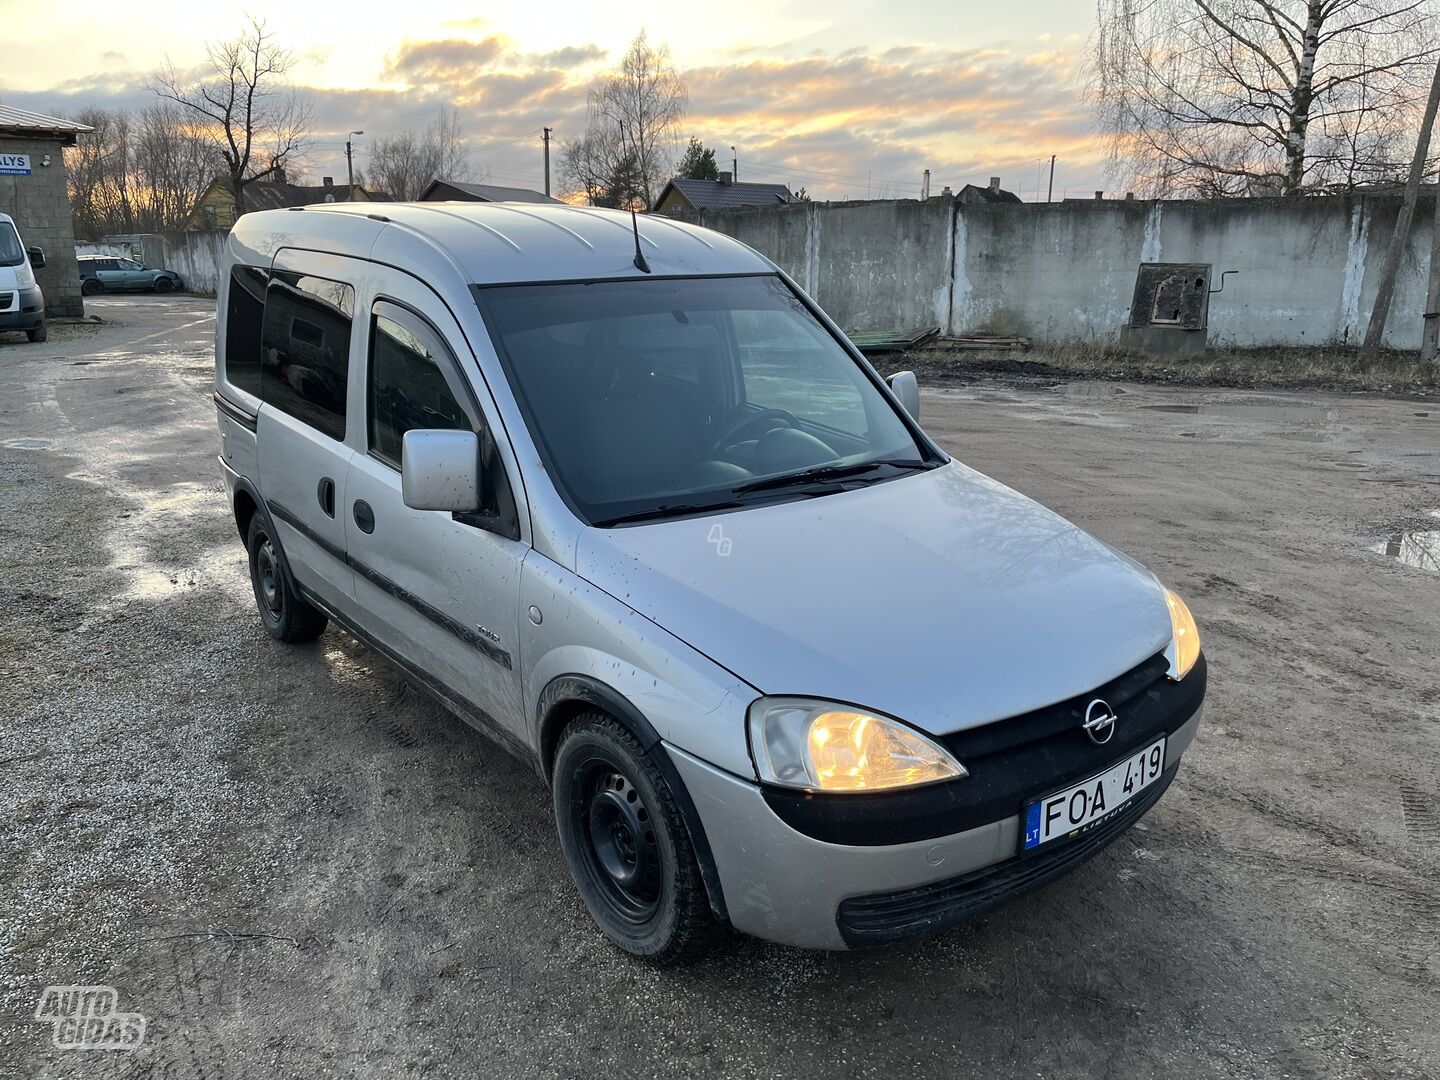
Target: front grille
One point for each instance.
(1009, 762)
(886, 917)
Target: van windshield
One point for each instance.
(11, 253)
(663, 397)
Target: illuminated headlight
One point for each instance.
(1184, 647)
(822, 746)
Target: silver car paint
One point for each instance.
(943, 598)
(649, 611)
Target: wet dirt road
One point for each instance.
(292, 864)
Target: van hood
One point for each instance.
(942, 598)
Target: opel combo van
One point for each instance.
(620, 495)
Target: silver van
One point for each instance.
(618, 493)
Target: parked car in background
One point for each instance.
(111, 273)
(22, 305)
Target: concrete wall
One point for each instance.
(1065, 272)
(41, 210)
(195, 256)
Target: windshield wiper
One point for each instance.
(667, 510)
(824, 474)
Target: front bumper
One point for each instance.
(25, 310)
(785, 886)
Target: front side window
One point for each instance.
(657, 397)
(11, 253)
(305, 354)
(407, 388)
(415, 384)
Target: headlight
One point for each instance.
(1184, 647)
(822, 746)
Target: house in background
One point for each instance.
(970, 195)
(32, 191)
(216, 208)
(456, 191)
(681, 194)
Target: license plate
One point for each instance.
(1078, 809)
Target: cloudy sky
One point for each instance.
(850, 98)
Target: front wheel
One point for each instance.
(164, 285)
(39, 333)
(285, 616)
(627, 844)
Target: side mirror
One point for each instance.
(906, 387)
(36, 257)
(440, 470)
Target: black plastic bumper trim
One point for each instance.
(882, 918)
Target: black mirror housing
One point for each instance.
(36, 257)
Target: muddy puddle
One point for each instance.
(1091, 389)
(1414, 547)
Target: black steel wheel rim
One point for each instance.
(616, 831)
(267, 579)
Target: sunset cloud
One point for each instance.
(850, 123)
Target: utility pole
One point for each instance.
(1386, 290)
(1050, 193)
(545, 134)
(350, 165)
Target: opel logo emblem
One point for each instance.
(1099, 722)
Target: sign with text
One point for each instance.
(14, 164)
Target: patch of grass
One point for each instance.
(1390, 371)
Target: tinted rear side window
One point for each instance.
(244, 315)
(305, 358)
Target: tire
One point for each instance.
(39, 333)
(164, 285)
(285, 616)
(90, 286)
(627, 845)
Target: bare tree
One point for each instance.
(1232, 97)
(402, 166)
(630, 139)
(242, 104)
(140, 172)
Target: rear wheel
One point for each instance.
(285, 616)
(90, 286)
(627, 845)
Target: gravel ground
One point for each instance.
(294, 865)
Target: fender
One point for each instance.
(566, 695)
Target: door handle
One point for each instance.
(326, 494)
(364, 516)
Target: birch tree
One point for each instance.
(1235, 97)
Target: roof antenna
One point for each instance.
(640, 263)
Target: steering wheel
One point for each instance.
(745, 423)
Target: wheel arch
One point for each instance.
(567, 696)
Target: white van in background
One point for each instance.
(22, 305)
